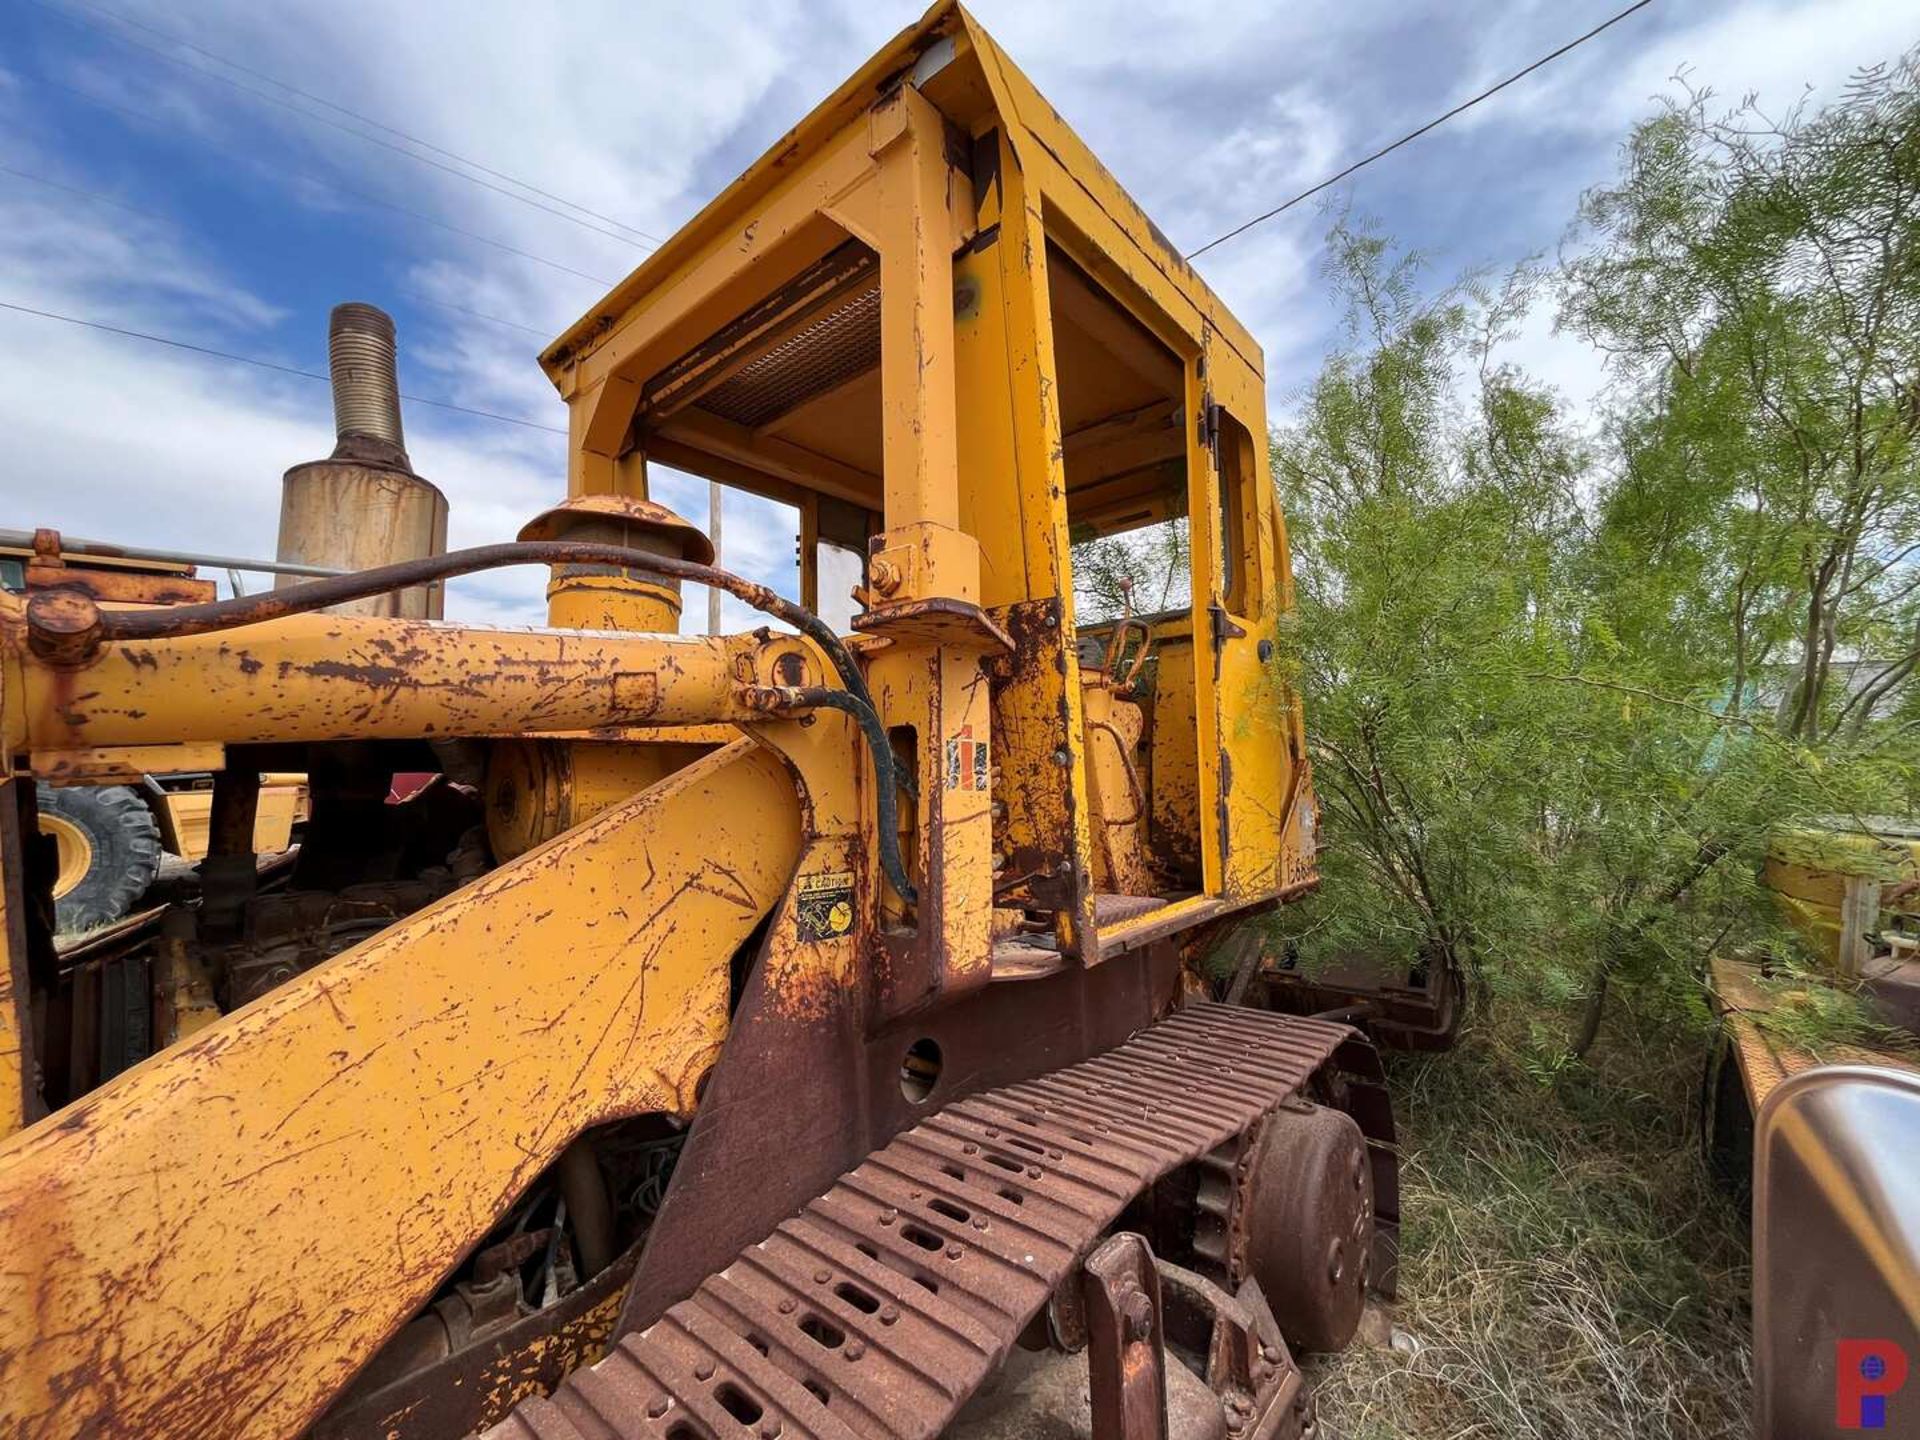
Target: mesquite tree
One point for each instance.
(1756, 282)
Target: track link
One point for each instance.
(876, 1312)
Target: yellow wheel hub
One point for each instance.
(74, 848)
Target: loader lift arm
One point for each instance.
(400, 1096)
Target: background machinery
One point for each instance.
(790, 1033)
(1850, 887)
(109, 839)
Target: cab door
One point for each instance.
(1250, 731)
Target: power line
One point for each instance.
(420, 299)
(1432, 124)
(292, 89)
(267, 365)
(335, 124)
(362, 196)
(94, 196)
(412, 295)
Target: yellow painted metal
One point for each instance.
(123, 764)
(1116, 792)
(74, 852)
(1173, 756)
(827, 763)
(188, 813)
(584, 601)
(282, 802)
(917, 198)
(986, 216)
(938, 695)
(1013, 468)
(1743, 998)
(536, 789)
(337, 677)
(212, 1242)
(1808, 870)
(19, 1101)
(606, 597)
(185, 989)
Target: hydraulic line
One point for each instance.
(856, 700)
(887, 782)
(406, 574)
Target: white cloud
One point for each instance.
(1776, 50)
(1206, 117)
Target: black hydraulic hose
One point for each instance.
(886, 780)
(856, 700)
(798, 697)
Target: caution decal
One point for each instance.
(824, 908)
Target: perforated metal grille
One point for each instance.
(832, 350)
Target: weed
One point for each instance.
(1567, 1269)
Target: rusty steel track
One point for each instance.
(879, 1309)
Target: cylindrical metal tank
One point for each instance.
(608, 597)
(363, 506)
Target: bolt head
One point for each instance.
(63, 625)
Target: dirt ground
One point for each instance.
(1568, 1270)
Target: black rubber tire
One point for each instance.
(126, 852)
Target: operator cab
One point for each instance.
(991, 389)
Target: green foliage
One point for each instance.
(1566, 676)
(1756, 283)
(1567, 1270)
(1804, 1014)
(1567, 685)
(1144, 570)
(1563, 689)
(1431, 506)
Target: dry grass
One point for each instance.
(1568, 1270)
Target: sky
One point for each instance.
(158, 174)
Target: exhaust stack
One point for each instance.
(363, 506)
(366, 383)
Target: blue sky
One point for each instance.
(233, 222)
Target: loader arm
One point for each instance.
(395, 1100)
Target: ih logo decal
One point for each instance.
(1865, 1373)
(966, 761)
